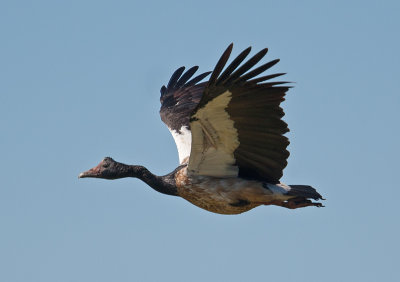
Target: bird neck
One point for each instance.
(163, 184)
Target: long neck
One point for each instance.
(163, 184)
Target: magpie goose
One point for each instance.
(230, 138)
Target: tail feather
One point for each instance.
(304, 191)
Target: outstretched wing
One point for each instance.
(236, 127)
(178, 100)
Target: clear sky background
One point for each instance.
(80, 80)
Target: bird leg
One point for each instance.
(297, 202)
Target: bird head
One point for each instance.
(106, 169)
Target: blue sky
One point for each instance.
(80, 81)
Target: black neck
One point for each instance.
(163, 184)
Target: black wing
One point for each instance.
(178, 99)
(237, 128)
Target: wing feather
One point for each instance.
(220, 65)
(237, 126)
(266, 77)
(186, 76)
(235, 63)
(246, 66)
(178, 100)
(174, 78)
(197, 79)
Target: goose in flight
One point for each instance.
(230, 138)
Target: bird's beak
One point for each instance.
(93, 172)
(82, 175)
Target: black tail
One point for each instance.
(304, 191)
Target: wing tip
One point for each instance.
(220, 64)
